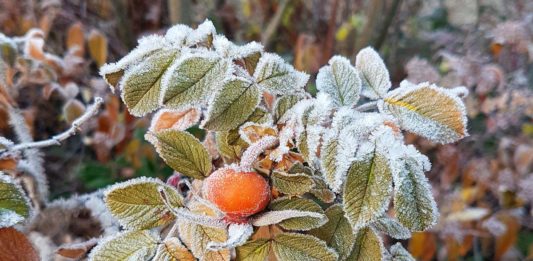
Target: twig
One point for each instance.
(57, 139)
(367, 106)
(251, 154)
(274, 23)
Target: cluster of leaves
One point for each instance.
(319, 153)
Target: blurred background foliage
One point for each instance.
(483, 185)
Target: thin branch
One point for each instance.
(58, 139)
(367, 106)
(274, 23)
(251, 154)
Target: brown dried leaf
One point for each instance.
(14, 246)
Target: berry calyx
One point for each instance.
(238, 194)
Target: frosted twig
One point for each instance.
(251, 154)
(367, 106)
(57, 139)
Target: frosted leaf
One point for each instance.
(184, 153)
(14, 204)
(196, 236)
(254, 250)
(414, 204)
(283, 105)
(292, 184)
(252, 153)
(137, 203)
(113, 72)
(468, 214)
(278, 77)
(173, 250)
(132, 245)
(16, 246)
(339, 80)
(251, 132)
(367, 189)
(301, 204)
(373, 73)
(261, 116)
(321, 190)
(391, 227)
(192, 79)
(225, 148)
(237, 235)
(292, 246)
(175, 120)
(232, 104)
(398, 253)
(203, 220)
(248, 53)
(494, 226)
(204, 33)
(277, 216)
(337, 232)
(141, 85)
(432, 112)
(76, 250)
(368, 246)
(5, 143)
(328, 160)
(178, 33)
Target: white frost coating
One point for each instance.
(251, 154)
(189, 117)
(199, 219)
(277, 216)
(425, 126)
(178, 33)
(201, 33)
(339, 80)
(278, 76)
(139, 254)
(244, 136)
(145, 46)
(226, 48)
(373, 73)
(8, 216)
(285, 138)
(238, 234)
(135, 181)
(187, 54)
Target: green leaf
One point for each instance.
(302, 204)
(368, 246)
(367, 190)
(292, 246)
(340, 81)
(196, 237)
(132, 245)
(283, 105)
(391, 227)
(184, 153)
(193, 79)
(260, 115)
(337, 232)
(224, 146)
(232, 105)
(398, 253)
(373, 73)
(254, 250)
(173, 250)
(292, 184)
(14, 205)
(141, 85)
(328, 162)
(321, 190)
(137, 203)
(113, 72)
(277, 76)
(413, 201)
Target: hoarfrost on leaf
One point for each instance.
(339, 80)
(337, 232)
(373, 73)
(292, 246)
(435, 113)
(192, 79)
(368, 246)
(277, 216)
(131, 245)
(14, 204)
(398, 253)
(278, 77)
(204, 32)
(300, 204)
(391, 227)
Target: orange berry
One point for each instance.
(237, 194)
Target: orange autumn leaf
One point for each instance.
(509, 238)
(98, 47)
(76, 39)
(423, 246)
(14, 246)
